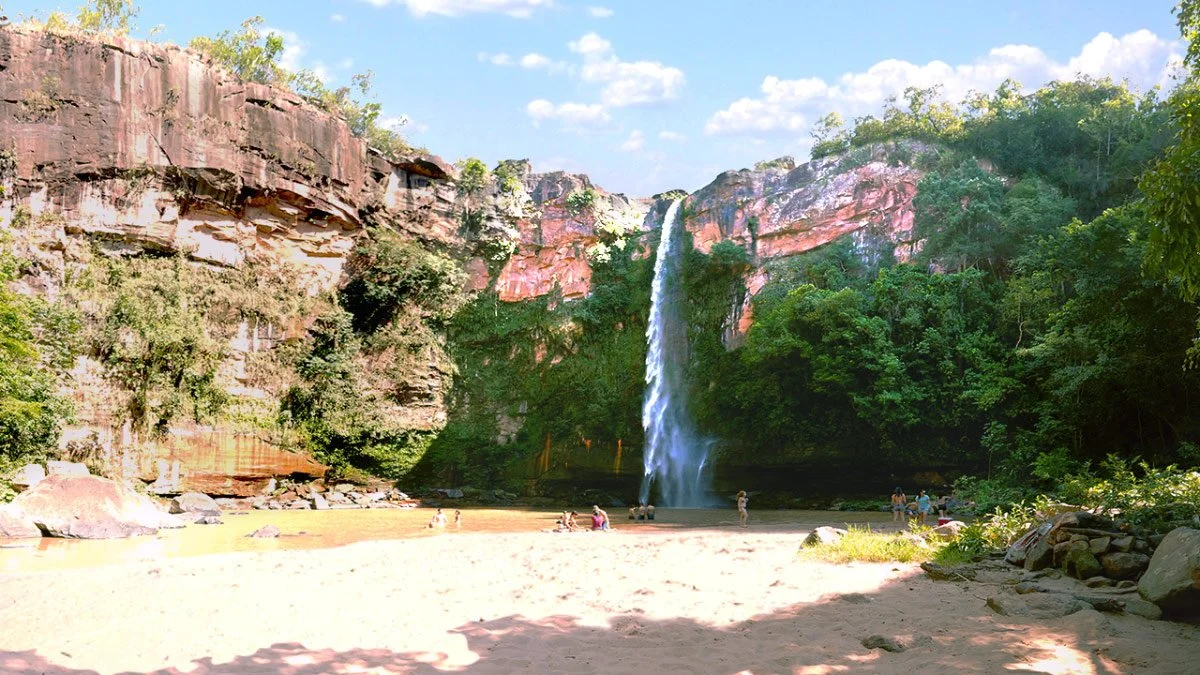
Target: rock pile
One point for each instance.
(1083, 545)
(288, 496)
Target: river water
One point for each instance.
(325, 529)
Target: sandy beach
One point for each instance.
(693, 600)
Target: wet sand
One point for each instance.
(696, 597)
(303, 530)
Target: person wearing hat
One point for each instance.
(599, 518)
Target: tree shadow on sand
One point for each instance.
(939, 633)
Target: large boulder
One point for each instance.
(91, 507)
(1172, 580)
(194, 502)
(16, 523)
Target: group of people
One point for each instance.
(641, 512)
(569, 521)
(438, 522)
(921, 507)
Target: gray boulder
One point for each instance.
(29, 475)
(56, 468)
(91, 507)
(1172, 581)
(194, 502)
(823, 535)
(319, 502)
(1124, 565)
(949, 531)
(887, 644)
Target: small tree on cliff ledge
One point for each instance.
(114, 17)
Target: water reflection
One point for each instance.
(324, 529)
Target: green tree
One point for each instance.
(108, 16)
(250, 53)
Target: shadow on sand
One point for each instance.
(953, 633)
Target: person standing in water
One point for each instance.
(923, 506)
(741, 507)
(899, 501)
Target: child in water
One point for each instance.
(438, 521)
(741, 507)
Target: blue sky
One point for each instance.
(649, 95)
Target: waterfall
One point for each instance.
(674, 455)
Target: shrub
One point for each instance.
(860, 544)
(581, 200)
(386, 274)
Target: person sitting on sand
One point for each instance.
(899, 500)
(633, 513)
(741, 507)
(649, 512)
(923, 506)
(599, 518)
(572, 523)
(438, 521)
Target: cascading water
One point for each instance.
(675, 456)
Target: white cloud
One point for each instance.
(791, 106)
(516, 8)
(337, 18)
(346, 63)
(535, 61)
(671, 136)
(500, 59)
(600, 12)
(577, 116)
(590, 45)
(625, 82)
(293, 48)
(634, 143)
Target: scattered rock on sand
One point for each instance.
(16, 523)
(950, 530)
(192, 502)
(887, 644)
(1036, 605)
(91, 507)
(265, 532)
(823, 535)
(319, 502)
(1172, 581)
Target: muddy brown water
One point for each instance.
(302, 530)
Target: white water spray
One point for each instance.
(674, 456)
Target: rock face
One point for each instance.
(1172, 580)
(150, 146)
(90, 507)
(554, 240)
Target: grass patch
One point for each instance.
(860, 544)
